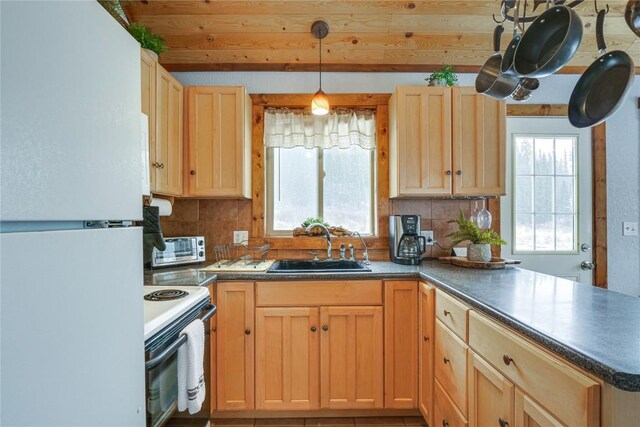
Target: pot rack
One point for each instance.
(508, 6)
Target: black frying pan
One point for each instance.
(603, 86)
(632, 16)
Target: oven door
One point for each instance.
(161, 355)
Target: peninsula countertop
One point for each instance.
(596, 329)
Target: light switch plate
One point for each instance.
(428, 235)
(240, 237)
(629, 228)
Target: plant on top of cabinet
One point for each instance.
(147, 38)
(444, 77)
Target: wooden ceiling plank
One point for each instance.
(272, 56)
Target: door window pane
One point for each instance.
(545, 175)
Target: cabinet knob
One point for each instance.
(313, 329)
(507, 359)
(446, 360)
(426, 338)
(325, 327)
(502, 422)
(192, 172)
(445, 423)
(447, 313)
(161, 165)
(458, 172)
(448, 172)
(156, 165)
(214, 329)
(247, 331)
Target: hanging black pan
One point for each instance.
(632, 16)
(603, 86)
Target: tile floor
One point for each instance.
(322, 422)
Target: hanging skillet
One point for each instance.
(603, 86)
(632, 16)
(490, 81)
(549, 43)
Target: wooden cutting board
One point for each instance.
(494, 264)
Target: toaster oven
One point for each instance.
(179, 250)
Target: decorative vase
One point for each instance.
(152, 54)
(479, 252)
(437, 82)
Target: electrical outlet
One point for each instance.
(629, 228)
(240, 237)
(428, 236)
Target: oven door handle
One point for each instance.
(169, 351)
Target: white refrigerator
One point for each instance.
(72, 346)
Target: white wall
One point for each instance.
(623, 141)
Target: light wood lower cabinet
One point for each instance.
(235, 364)
(445, 412)
(400, 344)
(287, 351)
(450, 365)
(425, 364)
(490, 395)
(213, 353)
(351, 357)
(530, 414)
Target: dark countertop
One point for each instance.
(178, 276)
(595, 329)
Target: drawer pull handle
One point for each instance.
(502, 422)
(447, 313)
(214, 329)
(445, 423)
(325, 328)
(507, 360)
(313, 329)
(426, 339)
(446, 360)
(247, 331)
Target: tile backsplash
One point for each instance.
(217, 219)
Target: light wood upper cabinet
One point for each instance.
(218, 142)
(351, 357)
(235, 335)
(479, 162)
(490, 395)
(166, 154)
(445, 141)
(400, 344)
(425, 364)
(420, 144)
(148, 66)
(287, 352)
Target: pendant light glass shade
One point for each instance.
(320, 101)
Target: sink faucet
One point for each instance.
(365, 254)
(326, 233)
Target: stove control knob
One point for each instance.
(201, 253)
(200, 242)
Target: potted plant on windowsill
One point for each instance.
(479, 248)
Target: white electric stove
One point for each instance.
(165, 304)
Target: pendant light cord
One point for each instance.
(320, 63)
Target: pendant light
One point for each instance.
(320, 101)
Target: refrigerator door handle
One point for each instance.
(107, 224)
(169, 351)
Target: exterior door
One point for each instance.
(490, 395)
(351, 366)
(546, 217)
(287, 358)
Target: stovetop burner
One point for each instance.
(166, 295)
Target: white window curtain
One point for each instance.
(343, 128)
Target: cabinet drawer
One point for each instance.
(452, 313)
(314, 293)
(445, 412)
(571, 396)
(450, 361)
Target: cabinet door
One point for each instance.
(351, 357)
(479, 161)
(167, 162)
(213, 352)
(219, 142)
(235, 364)
(445, 412)
(148, 84)
(401, 344)
(287, 358)
(425, 389)
(450, 365)
(490, 395)
(420, 146)
(530, 414)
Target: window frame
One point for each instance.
(269, 231)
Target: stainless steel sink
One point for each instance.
(309, 266)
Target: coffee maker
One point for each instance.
(406, 245)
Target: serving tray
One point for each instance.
(494, 264)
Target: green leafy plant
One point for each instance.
(314, 220)
(147, 38)
(445, 74)
(468, 230)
